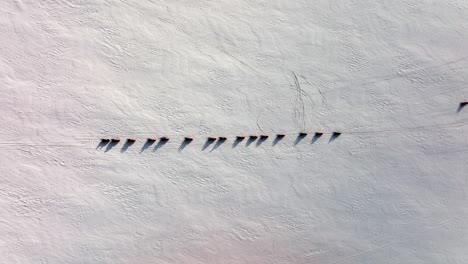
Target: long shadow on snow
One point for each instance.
(126, 146)
(102, 144)
(277, 139)
(461, 106)
(184, 144)
(237, 141)
(250, 141)
(316, 137)
(147, 144)
(218, 143)
(299, 138)
(260, 141)
(208, 142)
(111, 145)
(160, 144)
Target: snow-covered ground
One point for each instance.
(388, 75)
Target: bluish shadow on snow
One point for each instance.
(316, 137)
(147, 144)
(102, 144)
(111, 145)
(208, 142)
(218, 143)
(126, 146)
(461, 106)
(237, 141)
(333, 137)
(184, 144)
(277, 139)
(250, 141)
(299, 138)
(160, 144)
(260, 141)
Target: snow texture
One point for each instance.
(388, 75)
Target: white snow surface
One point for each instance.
(389, 75)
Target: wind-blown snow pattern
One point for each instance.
(388, 75)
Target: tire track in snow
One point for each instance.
(299, 107)
(84, 139)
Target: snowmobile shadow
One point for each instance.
(260, 141)
(237, 141)
(208, 142)
(126, 146)
(299, 138)
(147, 144)
(250, 141)
(334, 136)
(111, 145)
(103, 143)
(160, 144)
(218, 143)
(316, 137)
(184, 144)
(277, 139)
(461, 106)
